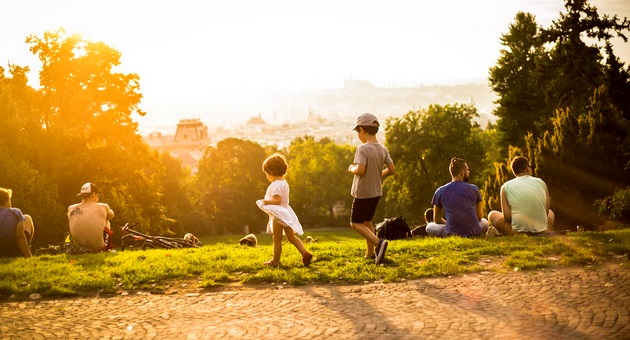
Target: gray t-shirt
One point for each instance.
(374, 156)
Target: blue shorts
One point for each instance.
(363, 209)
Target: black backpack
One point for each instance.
(393, 229)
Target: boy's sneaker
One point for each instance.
(380, 251)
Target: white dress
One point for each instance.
(283, 211)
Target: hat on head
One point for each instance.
(366, 119)
(88, 188)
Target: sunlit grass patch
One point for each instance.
(58, 275)
(338, 258)
(526, 260)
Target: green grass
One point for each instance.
(338, 259)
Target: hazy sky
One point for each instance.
(193, 55)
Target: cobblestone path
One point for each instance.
(567, 303)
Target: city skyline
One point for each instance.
(227, 60)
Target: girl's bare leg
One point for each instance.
(277, 241)
(306, 256)
(295, 240)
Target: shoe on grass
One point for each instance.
(380, 251)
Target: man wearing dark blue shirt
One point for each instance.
(457, 205)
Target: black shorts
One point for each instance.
(363, 209)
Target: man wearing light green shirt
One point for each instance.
(524, 203)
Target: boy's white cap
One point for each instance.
(366, 119)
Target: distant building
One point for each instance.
(256, 121)
(351, 84)
(191, 131)
(320, 114)
(188, 144)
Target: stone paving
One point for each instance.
(567, 303)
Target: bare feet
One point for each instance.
(271, 263)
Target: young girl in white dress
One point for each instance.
(282, 218)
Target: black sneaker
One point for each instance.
(380, 251)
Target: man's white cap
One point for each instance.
(88, 188)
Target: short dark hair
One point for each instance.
(456, 166)
(275, 165)
(519, 164)
(370, 130)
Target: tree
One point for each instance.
(521, 105)
(178, 196)
(584, 158)
(421, 144)
(33, 192)
(88, 133)
(319, 180)
(580, 144)
(230, 180)
(20, 119)
(532, 82)
(618, 83)
(35, 195)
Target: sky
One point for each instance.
(207, 58)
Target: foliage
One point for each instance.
(179, 196)
(521, 105)
(319, 180)
(338, 259)
(571, 154)
(616, 206)
(561, 103)
(421, 144)
(576, 130)
(76, 128)
(90, 134)
(230, 180)
(33, 192)
(34, 195)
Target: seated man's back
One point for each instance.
(16, 229)
(457, 205)
(527, 197)
(9, 218)
(89, 219)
